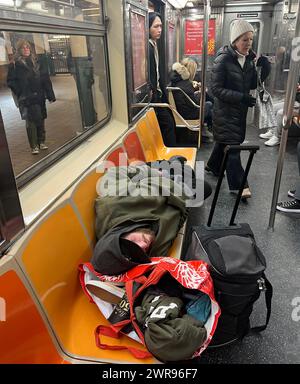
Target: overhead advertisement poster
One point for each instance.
(138, 38)
(194, 37)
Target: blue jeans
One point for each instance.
(234, 169)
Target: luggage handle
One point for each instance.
(252, 149)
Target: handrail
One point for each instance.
(206, 12)
(190, 127)
(186, 95)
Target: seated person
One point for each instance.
(182, 76)
(292, 206)
(139, 212)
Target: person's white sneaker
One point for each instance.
(272, 142)
(35, 151)
(266, 135)
(43, 146)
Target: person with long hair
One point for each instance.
(157, 83)
(182, 76)
(29, 80)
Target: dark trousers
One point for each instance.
(234, 169)
(35, 132)
(166, 121)
(167, 126)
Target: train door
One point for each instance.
(136, 53)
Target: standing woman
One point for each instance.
(31, 83)
(157, 84)
(233, 76)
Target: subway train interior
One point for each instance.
(95, 56)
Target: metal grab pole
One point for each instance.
(204, 66)
(287, 114)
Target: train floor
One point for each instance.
(280, 342)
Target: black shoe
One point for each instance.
(208, 169)
(291, 193)
(289, 206)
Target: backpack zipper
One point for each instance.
(261, 284)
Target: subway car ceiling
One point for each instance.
(180, 4)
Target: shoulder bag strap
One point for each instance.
(268, 298)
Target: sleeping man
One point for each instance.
(140, 210)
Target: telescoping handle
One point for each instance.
(252, 150)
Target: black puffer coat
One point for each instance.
(186, 109)
(230, 82)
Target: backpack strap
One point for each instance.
(268, 298)
(115, 334)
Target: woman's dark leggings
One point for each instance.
(234, 169)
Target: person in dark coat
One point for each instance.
(233, 76)
(182, 76)
(29, 80)
(157, 84)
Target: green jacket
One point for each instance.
(168, 212)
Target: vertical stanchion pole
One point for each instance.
(287, 114)
(204, 66)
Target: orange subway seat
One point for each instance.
(162, 151)
(133, 146)
(50, 260)
(23, 334)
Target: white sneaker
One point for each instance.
(43, 146)
(35, 151)
(272, 142)
(266, 135)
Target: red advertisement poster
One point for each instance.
(138, 34)
(194, 37)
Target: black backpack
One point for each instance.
(237, 266)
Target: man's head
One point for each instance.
(143, 237)
(155, 26)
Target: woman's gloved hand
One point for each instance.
(249, 100)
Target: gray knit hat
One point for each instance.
(238, 28)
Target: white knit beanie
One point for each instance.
(238, 28)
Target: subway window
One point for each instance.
(81, 10)
(53, 89)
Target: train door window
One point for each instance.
(256, 36)
(136, 59)
(87, 10)
(171, 45)
(52, 84)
